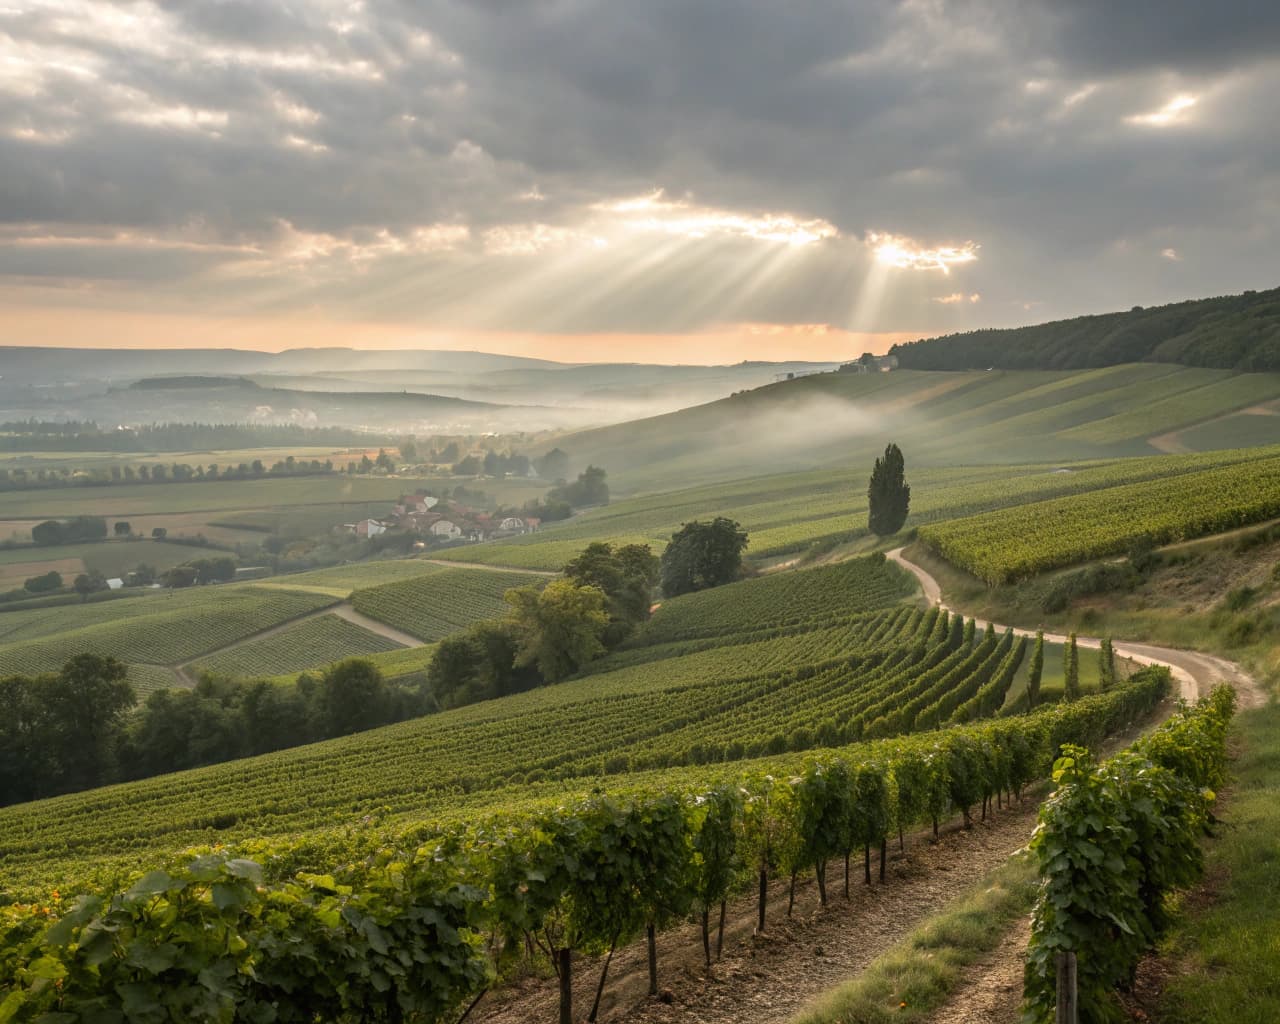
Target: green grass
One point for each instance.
(911, 980)
(1227, 950)
(432, 606)
(149, 678)
(1238, 431)
(312, 642)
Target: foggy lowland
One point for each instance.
(671, 513)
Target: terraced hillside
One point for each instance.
(839, 671)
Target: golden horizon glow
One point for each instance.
(50, 327)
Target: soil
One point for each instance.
(768, 979)
(992, 988)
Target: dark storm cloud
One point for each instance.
(446, 161)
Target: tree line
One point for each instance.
(158, 473)
(87, 436)
(1230, 332)
(82, 727)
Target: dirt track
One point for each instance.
(1196, 673)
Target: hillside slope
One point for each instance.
(1229, 332)
(1008, 416)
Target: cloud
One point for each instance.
(594, 166)
(956, 298)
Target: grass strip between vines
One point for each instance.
(911, 980)
(1225, 955)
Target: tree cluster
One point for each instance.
(702, 555)
(551, 632)
(77, 729)
(63, 732)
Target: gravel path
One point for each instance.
(1195, 673)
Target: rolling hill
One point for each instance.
(940, 419)
(1229, 332)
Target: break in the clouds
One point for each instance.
(580, 166)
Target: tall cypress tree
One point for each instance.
(1071, 670)
(1036, 672)
(888, 494)
(1106, 665)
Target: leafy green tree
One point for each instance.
(553, 466)
(888, 494)
(560, 628)
(1071, 670)
(159, 533)
(626, 575)
(87, 703)
(702, 555)
(1036, 671)
(352, 697)
(44, 584)
(89, 583)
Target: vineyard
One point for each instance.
(578, 875)
(310, 643)
(432, 606)
(159, 632)
(782, 690)
(1012, 544)
(790, 512)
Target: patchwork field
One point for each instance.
(153, 630)
(435, 605)
(312, 642)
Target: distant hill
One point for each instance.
(190, 381)
(1231, 332)
(941, 419)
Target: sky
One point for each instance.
(667, 181)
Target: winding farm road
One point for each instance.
(1195, 673)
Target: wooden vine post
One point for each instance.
(1068, 1008)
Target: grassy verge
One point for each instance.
(911, 980)
(1225, 954)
